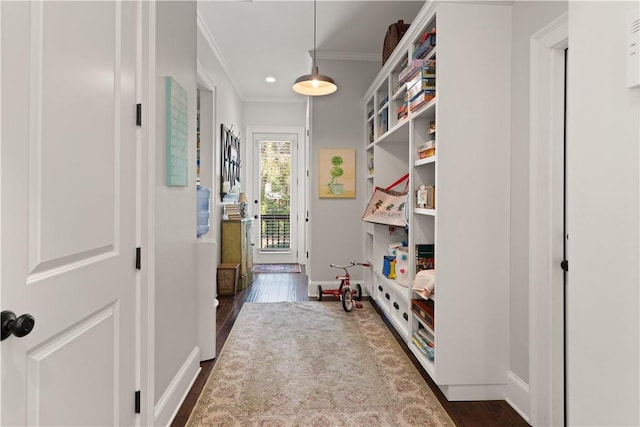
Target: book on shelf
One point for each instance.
(428, 340)
(425, 257)
(426, 44)
(424, 349)
(425, 310)
(421, 99)
(421, 85)
(232, 211)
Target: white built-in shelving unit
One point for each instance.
(469, 224)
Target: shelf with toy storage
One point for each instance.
(391, 154)
(448, 127)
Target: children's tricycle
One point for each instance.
(345, 293)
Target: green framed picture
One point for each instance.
(337, 173)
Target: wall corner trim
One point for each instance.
(518, 395)
(169, 404)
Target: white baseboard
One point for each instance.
(169, 404)
(331, 284)
(518, 395)
(473, 392)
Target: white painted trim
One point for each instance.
(473, 392)
(204, 30)
(518, 395)
(546, 50)
(204, 78)
(147, 214)
(171, 400)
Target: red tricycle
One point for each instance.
(344, 292)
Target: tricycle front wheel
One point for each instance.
(347, 300)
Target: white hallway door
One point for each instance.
(69, 211)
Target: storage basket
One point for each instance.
(391, 40)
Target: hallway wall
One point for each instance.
(176, 358)
(228, 111)
(337, 122)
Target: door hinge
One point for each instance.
(308, 132)
(564, 265)
(137, 401)
(307, 254)
(139, 115)
(138, 258)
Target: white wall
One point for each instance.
(275, 113)
(175, 219)
(338, 122)
(603, 212)
(527, 18)
(228, 111)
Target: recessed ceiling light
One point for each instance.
(270, 79)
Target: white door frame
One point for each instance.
(300, 187)
(546, 235)
(145, 342)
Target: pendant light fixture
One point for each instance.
(314, 84)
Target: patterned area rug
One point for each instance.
(276, 268)
(313, 364)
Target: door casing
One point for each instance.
(546, 233)
(252, 190)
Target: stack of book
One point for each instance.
(232, 211)
(425, 45)
(425, 310)
(421, 86)
(425, 343)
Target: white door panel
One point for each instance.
(68, 211)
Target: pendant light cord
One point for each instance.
(314, 37)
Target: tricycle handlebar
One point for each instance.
(351, 264)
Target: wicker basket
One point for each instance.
(391, 40)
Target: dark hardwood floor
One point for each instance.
(293, 287)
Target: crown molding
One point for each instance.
(206, 34)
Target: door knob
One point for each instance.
(19, 327)
(255, 216)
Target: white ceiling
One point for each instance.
(256, 39)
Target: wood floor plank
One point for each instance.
(268, 287)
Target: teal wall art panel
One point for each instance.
(177, 134)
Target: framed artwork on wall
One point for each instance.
(337, 173)
(230, 164)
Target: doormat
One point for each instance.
(276, 268)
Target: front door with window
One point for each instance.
(275, 210)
